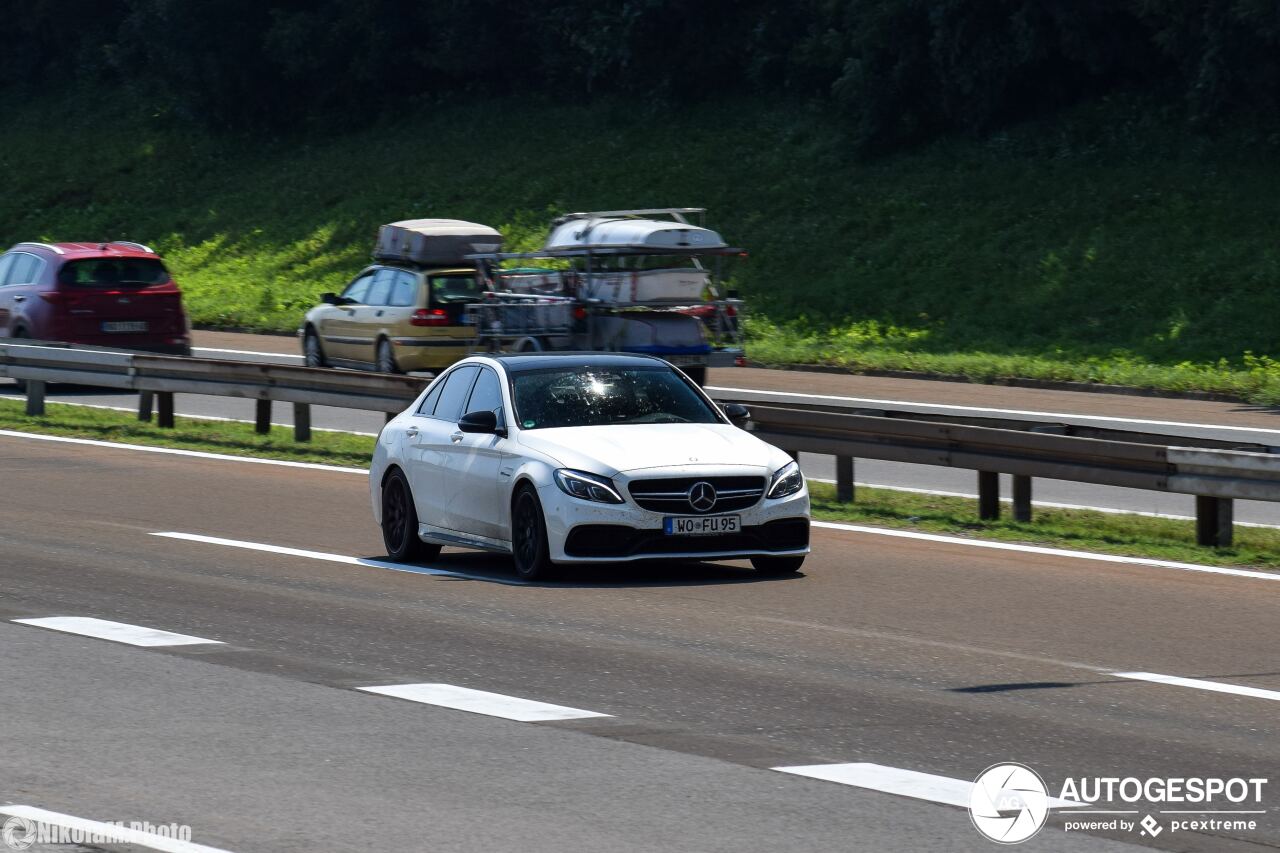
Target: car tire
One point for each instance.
(400, 522)
(529, 536)
(386, 359)
(312, 352)
(697, 374)
(777, 565)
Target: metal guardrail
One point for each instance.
(157, 378)
(1216, 472)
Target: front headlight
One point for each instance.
(787, 480)
(588, 487)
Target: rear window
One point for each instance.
(112, 272)
(462, 287)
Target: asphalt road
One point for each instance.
(1186, 417)
(928, 657)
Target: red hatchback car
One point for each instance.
(105, 294)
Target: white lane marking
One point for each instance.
(904, 783)
(133, 409)
(871, 401)
(1046, 504)
(482, 702)
(118, 632)
(293, 356)
(336, 558)
(1048, 552)
(198, 454)
(118, 834)
(1199, 684)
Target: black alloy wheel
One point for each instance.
(400, 522)
(529, 536)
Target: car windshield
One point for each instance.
(112, 272)
(455, 288)
(602, 396)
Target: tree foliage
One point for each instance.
(896, 70)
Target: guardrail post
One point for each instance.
(844, 479)
(146, 402)
(262, 417)
(1214, 521)
(35, 397)
(301, 421)
(164, 406)
(988, 495)
(1021, 497)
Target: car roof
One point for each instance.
(79, 251)
(527, 361)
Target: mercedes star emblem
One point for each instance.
(702, 496)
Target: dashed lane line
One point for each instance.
(482, 702)
(116, 632)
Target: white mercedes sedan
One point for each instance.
(583, 458)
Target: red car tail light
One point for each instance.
(429, 317)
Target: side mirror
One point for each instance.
(331, 299)
(737, 413)
(483, 422)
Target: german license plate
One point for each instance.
(701, 525)
(125, 326)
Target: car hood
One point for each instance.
(609, 450)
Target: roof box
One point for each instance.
(645, 235)
(435, 241)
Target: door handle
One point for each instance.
(412, 432)
(457, 436)
(379, 314)
(19, 299)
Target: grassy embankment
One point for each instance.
(1129, 535)
(1106, 245)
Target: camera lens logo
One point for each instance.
(1008, 803)
(18, 833)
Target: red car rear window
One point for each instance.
(113, 272)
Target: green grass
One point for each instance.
(1104, 245)
(1130, 535)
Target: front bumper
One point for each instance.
(581, 531)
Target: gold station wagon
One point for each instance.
(394, 318)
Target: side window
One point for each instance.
(456, 388)
(404, 291)
(487, 395)
(381, 288)
(428, 406)
(359, 288)
(5, 263)
(24, 268)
